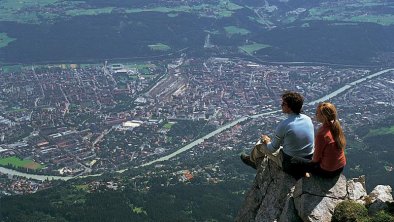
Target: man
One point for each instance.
(294, 135)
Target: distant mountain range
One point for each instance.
(345, 32)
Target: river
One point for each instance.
(32, 176)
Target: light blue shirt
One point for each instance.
(295, 134)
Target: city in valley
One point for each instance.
(79, 120)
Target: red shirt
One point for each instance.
(327, 153)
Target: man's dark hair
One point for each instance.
(293, 100)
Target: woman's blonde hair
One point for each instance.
(330, 117)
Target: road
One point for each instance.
(217, 131)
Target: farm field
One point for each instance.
(16, 162)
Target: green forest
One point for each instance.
(182, 202)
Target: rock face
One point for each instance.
(277, 196)
(270, 192)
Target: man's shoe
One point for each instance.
(246, 159)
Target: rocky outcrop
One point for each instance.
(272, 189)
(276, 196)
(379, 197)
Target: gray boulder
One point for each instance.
(315, 197)
(379, 198)
(357, 190)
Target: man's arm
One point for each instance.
(274, 143)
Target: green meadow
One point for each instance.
(234, 30)
(29, 11)
(381, 131)
(159, 47)
(12, 68)
(84, 187)
(264, 22)
(382, 19)
(168, 125)
(16, 162)
(5, 39)
(357, 14)
(230, 6)
(251, 48)
(138, 210)
(93, 11)
(172, 15)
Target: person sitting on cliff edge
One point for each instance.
(329, 157)
(294, 137)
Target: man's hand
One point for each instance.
(265, 139)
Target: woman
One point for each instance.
(329, 156)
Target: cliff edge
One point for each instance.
(277, 196)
